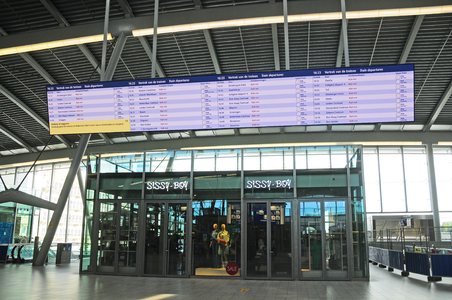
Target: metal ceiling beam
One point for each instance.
(34, 64)
(344, 33)
(147, 47)
(16, 139)
(144, 42)
(212, 51)
(214, 14)
(126, 8)
(30, 112)
(12, 195)
(198, 4)
(115, 56)
(64, 23)
(286, 34)
(275, 47)
(439, 107)
(55, 13)
(340, 49)
(411, 37)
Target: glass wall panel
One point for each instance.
(120, 185)
(443, 174)
(217, 185)
(416, 178)
(128, 234)
(122, 163)
(8, 176)
(217, 160)
(25, 178)
(171, 185)
(22, 228)
(338, 157)
(277, 184)
(372, 179)
(446, 226)
(214, 219)
(85, 252)
(60, 171)
(107, 237)
(319, 158)
(91, 182)
(75, 217)
(301, 158)
(322, 184)
(168, 161)
(268, 159)
(281, 240)
(392, 182)
(176, 238)
(7, 211)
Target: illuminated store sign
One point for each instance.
(165, 185)
(268, 184)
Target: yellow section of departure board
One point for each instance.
(102, 126)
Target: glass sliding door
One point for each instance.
(311, 229)
(323, 240)
(154, 241)
(336, 239)
(117, 238)
(269, 240)
(166, 238)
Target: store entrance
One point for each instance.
(269, 244)
(117, 237)
(165, 238)
(323, 242)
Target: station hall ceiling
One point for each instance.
(378, 37)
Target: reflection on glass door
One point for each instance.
(165, 241)
(176, 238)
(117, 239)
(311, 239)
(154, 241)
(323, 239)
(107, 237)
(128, 230)
(336, 239)
(269, 239)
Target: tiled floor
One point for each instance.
(64, 282)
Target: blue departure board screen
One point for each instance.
(281, 98)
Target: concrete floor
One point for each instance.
(65, 283)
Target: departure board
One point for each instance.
(286, 98)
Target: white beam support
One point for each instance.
(116, 55)
(30, 112)
(275, 47)
(16, 139)
(286, 34)
(411, 38)
(439, 107)
(12, 195)
(147, 47)
(35, 65)
(344, 33)
(154, 38)
(212, 51)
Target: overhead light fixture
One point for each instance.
(445, 143)
(298, 18)
(382, 143)
(55, 44)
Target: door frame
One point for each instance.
(268, 203)
(165, 260)
(348, 232)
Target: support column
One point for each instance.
(286, 35)
(154, 38)
(433, 191)
(53, 225)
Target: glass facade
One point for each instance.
(225, 212)
(179, 190)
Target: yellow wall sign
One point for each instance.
(51, 225)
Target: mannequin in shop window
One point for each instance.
(223, 242)
(214, 245)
